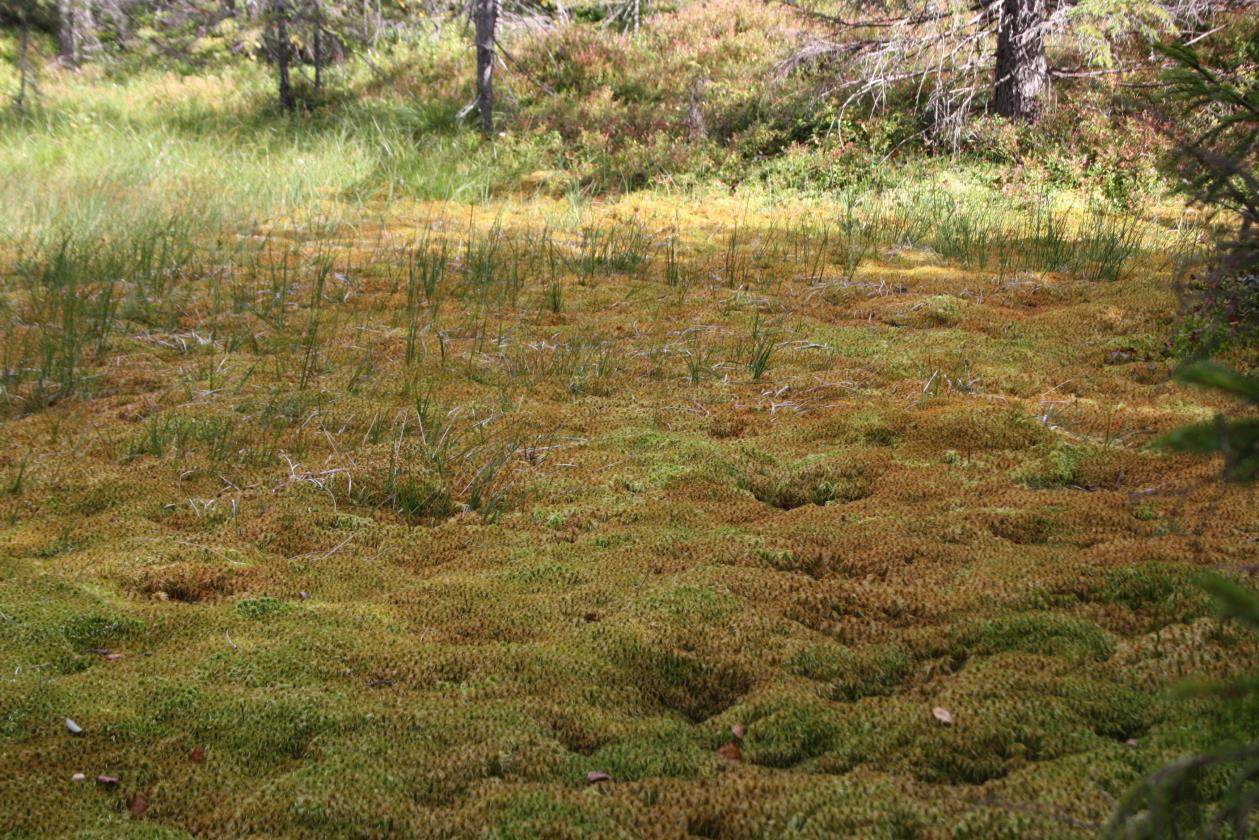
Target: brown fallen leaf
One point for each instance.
(737, 730)
(197, 756)
(107, 781)
(138, 804)
(730, 752)
(943, 715)
(596, 776)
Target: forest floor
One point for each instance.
(780, 520)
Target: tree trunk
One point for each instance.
(76, 31)
(318, 46)
(67, 36)
(1022, 77)
(280, 9)
(485, 16)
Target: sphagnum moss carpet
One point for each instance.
(682, 520)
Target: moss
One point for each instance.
(259, 608)
(1044, 633)
(93, 630)
(429, 589)
(939, 310)
(851, 673)
(542, 814)
(1168, 590)
(789, 732)
(350, 522)
(1023, 527)
(995, 823)
(681, 682)
(665, 748)
(1059, 466)
(789, 486)
(545, 576)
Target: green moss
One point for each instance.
(786, 733)
(1165, 589)
(90, 630)
(866, 806)
(1023, 527)
(527, 815)
(1043, 633)
(817, 482)
(939, 310)
(1057, 467)
(544, 575)
(258, 608)
(350, 522)
(663, 748)
(853, 673)
(681, 682)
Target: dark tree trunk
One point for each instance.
(281, 11)
(1022, 77)
(485, 16)
(318, 47)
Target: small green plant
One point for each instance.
(1049, 245)
(310, 340)
(732, 268)
(426, 270)
(553, 298)
(761, 346)
(672, 271)
(963, 232)
(17, 478)
(620, 248)
(1108, 243)
(698, 356)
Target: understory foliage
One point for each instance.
(1218, 168)
(1214, 793)
(1219, 171)
(809, 97)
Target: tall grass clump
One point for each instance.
(69, 294)
(620, 248)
